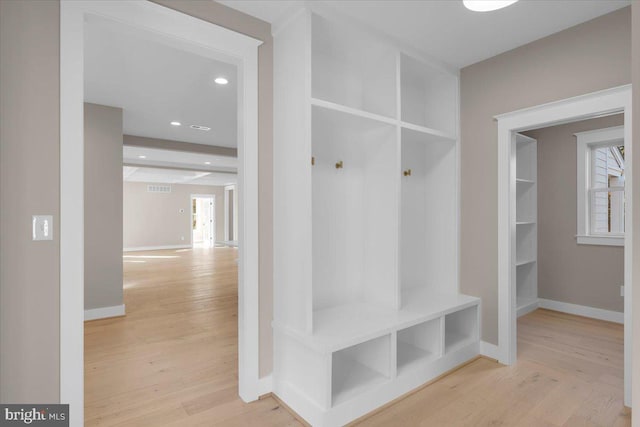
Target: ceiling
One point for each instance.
(143, 164)
(445, 29)
(155, 82)
(141, 156)
(173, 176)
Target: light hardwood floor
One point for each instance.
(173, 361)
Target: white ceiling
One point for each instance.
(178, 159)
(174, 176)
(445, 29)
(156, 83)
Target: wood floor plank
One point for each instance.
(172, 361)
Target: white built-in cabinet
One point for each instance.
(526, 248)
(366, 300)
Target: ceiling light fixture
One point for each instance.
(198, 127)
(142, 157)
(207, 163)
(221, 80)
(487, 5)
(176, 124)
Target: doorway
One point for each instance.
(197, 36)
(598, 104)
(203, 221)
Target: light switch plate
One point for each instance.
(42, 227)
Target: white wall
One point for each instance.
(154, 219)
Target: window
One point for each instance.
(600, 161)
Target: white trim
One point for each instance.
(156, 248)
(104, 312)
(206, 39)
(584, 142)
(489, 350)
(600, 240)
(215, 218)
(587, 106)
(265, 385)
(582, 310)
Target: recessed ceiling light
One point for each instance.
(221, 80)
(198, 127)
(176, 124)
(207, 163)
(487, 5)
(142, 157)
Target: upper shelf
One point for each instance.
(347, 68)
(351, 111)
(428, 96)
(346, 325)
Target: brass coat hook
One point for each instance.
(313, 161)
(407, 172)
(339, 165)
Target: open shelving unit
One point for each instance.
(366, 300)
(526, 255)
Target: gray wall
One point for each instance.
(237, 21)
(29, 164)
(578, 274)
(636, 203)
(154, 219)
(589, 57)
(102, 206)
(29, 184)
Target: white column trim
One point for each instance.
(197, 36)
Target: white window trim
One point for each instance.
(585, 141)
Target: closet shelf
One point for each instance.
(524, 181)
(350, 324)
(352, 111)
(525, 222)
(411, 355)
(432, 134)
(525, 262)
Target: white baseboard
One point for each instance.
(489, 350)
(265, 385)
(156, 248)
(104, 312)
(582, 310)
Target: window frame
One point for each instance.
(586, 141)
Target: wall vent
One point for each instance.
(158, 189)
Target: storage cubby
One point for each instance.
(526, 239)
(428, 218)
(525, 158)
(359, 368)
(461, 328)
(418, 344)
(526, 287)
(348, 69)
(525, 152)
(354, 214)
(365, 220)
(526, 197)
(429, 96)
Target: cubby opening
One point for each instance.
(354, 203)
(526, 196)
(359, 368)
(461, 328)
(525, 158)
(526, 285)
(418, 344)
(428, 218)
(428, 96)
(348, 69)
(526, 238)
